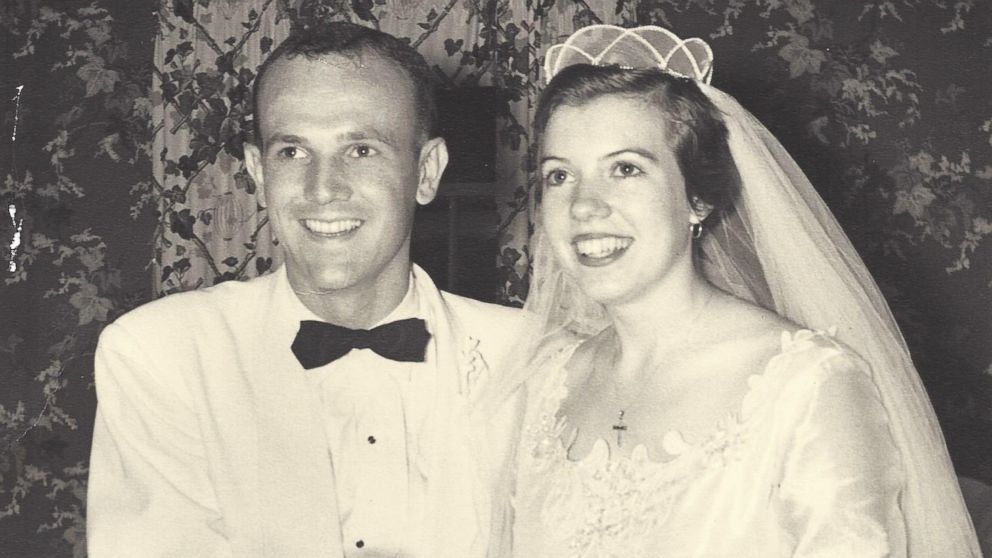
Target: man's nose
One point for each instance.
(326, 183)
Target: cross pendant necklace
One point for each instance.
(620, 428)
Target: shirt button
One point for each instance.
(359, 543)
(371, 439)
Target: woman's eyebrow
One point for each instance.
(636, 151)
(551, 158)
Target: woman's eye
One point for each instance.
(291, 153)
(555, 177)
(625, 170)
(359, 151)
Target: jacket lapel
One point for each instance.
(299, 515)
(457, 498)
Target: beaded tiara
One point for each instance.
(649, 46)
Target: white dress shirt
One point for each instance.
(375, 411)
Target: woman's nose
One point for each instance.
(327, 183)
(589, 205)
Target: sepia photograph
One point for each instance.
(496, 278)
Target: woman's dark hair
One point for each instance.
(691, 119)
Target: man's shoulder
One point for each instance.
(188, 309)
(485, 313)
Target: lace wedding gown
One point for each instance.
(805, 467)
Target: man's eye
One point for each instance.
(556, 177)
(291, 153)
(625, 170)
(362, 150)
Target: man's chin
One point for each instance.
(324, 283)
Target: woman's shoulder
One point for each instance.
(563, 360)
(737, 338)
(556, 346)
(739, 319)
(746, 325)
(551, 355)
(810, 359)
(811, 369)
(787, 358)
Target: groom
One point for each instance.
(325, 409)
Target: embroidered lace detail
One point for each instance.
(609, 505)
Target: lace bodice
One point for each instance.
(739, 491)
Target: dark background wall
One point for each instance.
(46, 369)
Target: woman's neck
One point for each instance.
(661, 321)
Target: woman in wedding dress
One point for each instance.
(713, 372)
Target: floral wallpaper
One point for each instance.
(121, 177)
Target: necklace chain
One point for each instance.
(620, 427)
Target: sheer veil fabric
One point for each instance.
(782, 249)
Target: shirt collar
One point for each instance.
(409, 306)
(296, 311)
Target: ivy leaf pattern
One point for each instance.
(182, 224)
(91, 306)
(801, 58)
(183, 9)
(98, 78)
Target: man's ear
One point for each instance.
(253, 162)
(433, 160)
(699, 210)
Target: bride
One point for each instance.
(713, 371)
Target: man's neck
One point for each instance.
(361, 305)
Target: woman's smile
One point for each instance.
(598, 249)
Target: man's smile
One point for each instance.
(332, 228)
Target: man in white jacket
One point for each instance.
(325, 409)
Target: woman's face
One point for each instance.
(614, 204)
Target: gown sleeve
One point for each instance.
(841, 474)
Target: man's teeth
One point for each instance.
(602, 247)
(332, 227)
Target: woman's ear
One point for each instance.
(699, 210)
(433, 160)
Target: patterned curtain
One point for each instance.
(126, 121)
(212, 228)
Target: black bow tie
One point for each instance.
(318, 343)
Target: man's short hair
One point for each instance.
(350, 40)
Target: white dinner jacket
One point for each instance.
(209, 442)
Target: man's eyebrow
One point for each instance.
(371, 134)
(361, 135)
(284, 138)
(636, 151)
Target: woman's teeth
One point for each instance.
(332, 227)
(602, 247)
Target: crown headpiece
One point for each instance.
(644, 47)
